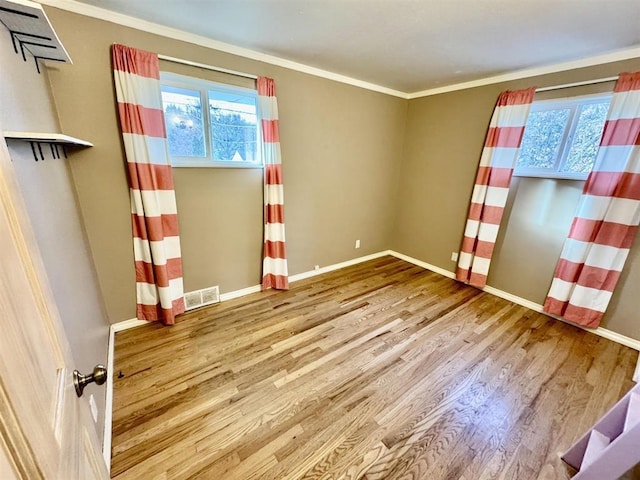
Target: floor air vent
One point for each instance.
(200, 298)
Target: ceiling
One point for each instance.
(405, 45)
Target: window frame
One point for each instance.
(202, 86)
(574, 105)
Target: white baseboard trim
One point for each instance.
(602, 332)
(127, 324)
(422, 264)
(514, 298)
(134, 322)
(337, 266)
(240, 293)
(301, 276)
(615, 337)
(108, 409)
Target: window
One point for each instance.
(222, 134)
(561, 137)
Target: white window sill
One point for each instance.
(580, 177)
(218, 165)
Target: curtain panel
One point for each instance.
(491, 187)
(607, 216)
(274, 260)
(156, 240)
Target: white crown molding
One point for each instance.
(174, 33)
(616, 56)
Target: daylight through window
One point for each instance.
(225, 133)
(561, 137)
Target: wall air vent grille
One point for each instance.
(200, 298)
(210, 295)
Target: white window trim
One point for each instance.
(573, 103)
(203, 86)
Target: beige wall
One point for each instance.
(535, 224)
(358, 165)
(340, 146)
(49, 196)
(444, 138)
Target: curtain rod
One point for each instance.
(577, 84)
(207, 67)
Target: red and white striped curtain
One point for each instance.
(491, 188)
(156, 241)
(607, 218)
(274, 262)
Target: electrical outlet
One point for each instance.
(316, 267)
(454, 256)
(357, 243)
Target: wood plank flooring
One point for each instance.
(381, 370)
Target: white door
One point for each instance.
(45, 430)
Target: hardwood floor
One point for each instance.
(381, 370)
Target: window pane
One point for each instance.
(233, 127)
(183, 119)
(586, 138)
(542, 138)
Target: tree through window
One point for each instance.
(224, 134)
(562, 137)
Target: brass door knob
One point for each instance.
(99, 376)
